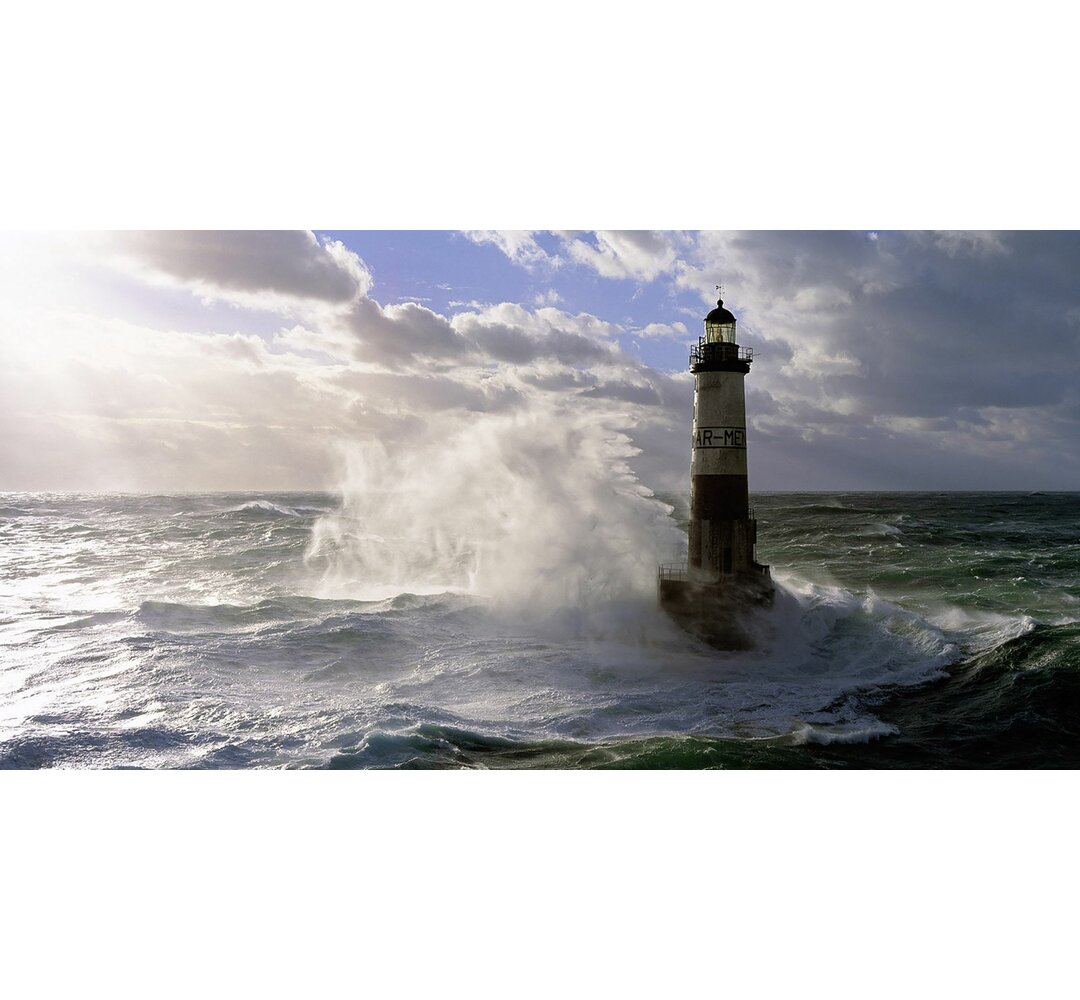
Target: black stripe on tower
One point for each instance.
(720, 498)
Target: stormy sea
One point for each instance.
(910, 630)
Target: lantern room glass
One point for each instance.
(719, 333)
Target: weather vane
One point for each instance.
(720, 291)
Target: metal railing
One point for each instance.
(702, 352)
(673, 571)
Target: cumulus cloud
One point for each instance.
(396, 335)
(639, 254)
(548, 297)
(676, 330)
(518, 244)
(511, 333)
(253, 268)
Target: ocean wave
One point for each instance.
(831, 508)
(1041, 647)
(979, 629)
(78, 622)
(842, 734)
(424, 745)
(880, 528)
(264, 507)
(181, 616)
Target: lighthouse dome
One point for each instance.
(720, 314)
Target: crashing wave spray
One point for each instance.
(533, 509)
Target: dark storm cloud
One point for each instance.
(558, 380)
(502, 342)
(515, 343)
(290, 263)
(396, 335)
(403, 336)
(926, 349)
(628, 381)
(928, 323)
(644, 386)
(630, 392)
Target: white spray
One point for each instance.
(536, 509)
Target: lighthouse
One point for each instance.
(721, 578)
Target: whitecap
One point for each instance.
(263, 507)
(862, 732)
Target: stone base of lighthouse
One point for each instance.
(711, 594)
(714, 610)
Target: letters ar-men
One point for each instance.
(720, 437)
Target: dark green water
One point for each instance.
(973, 561)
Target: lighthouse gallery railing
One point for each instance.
(672, 571)
(703, 351)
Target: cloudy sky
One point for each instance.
(169, 361)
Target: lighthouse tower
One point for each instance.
(721, 576)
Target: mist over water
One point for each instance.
(518, 627)
(535, 513)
